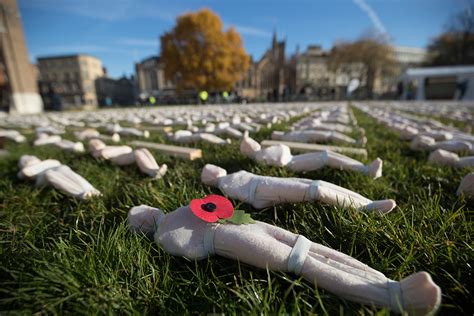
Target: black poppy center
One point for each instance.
(209, 207)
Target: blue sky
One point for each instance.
(122, 32)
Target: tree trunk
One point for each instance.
(370, 82)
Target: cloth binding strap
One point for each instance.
(326, 157)
(209, 239)
(395, 293)
(253, 189)
(298, 254)
(313, 189)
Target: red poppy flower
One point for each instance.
(212, 208)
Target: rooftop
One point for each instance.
(68, 56)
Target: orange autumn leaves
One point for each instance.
(198, 54)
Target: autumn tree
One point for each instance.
(456, 45)
(198, 54)
(370, 57)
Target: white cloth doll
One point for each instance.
(90, 133)
(52, 130)
(264, 191)
(229, 132)
(68, 145)
(56, 140)
(51, 172)
(127, 131)
(125, 155)
(313, 137)
(182, 233)
(446, 158)
(45, 139)
(428, 143)
(13, 135)
(130, 131)
(280, 155)
(466, 186)
(186, 137)
(316, 124)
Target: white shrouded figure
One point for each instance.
(421, 142)
(306, 136)
(52, 172)
(56, 140)
(317, 124)
(127, 131)
(466, 186)
(280, 155)
(68, 145)
(125, 155)
(91, 133)
(186, 137)
(12, 135)
(265, 246)
(45, 139)
(264, 191)
(353, 85)
(446, 158)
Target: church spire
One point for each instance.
(274, 40)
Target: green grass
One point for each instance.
(58, 255)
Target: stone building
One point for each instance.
(406, 57)
(410, 56)
(270, 78)
(69, 80)
(111, 92)
(313, 78)
(150, 76)
(18, 88)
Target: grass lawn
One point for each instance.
(58, 255)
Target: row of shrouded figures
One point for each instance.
(448, 146)
(181, 233)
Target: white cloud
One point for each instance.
(252, 31)
(372, 15)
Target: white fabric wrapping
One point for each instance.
(309, 161)
(264, 191)
(446, 158)
(147, 163)
(335, 195)
(70, 183)
(32, 170)
(277, 155)
(298, 255)
(313, 136)
(61, 177)
(280, 156)
(46, 139)
(396, 296)
(466, 186)
(209, 239)
(264, 246)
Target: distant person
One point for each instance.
(410, 91)
(461, 88)
(108, 101)
(152, 100)
(203, 96)
(399, 90)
